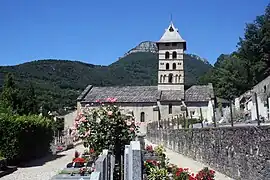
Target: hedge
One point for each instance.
(24, 137)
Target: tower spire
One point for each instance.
(171, 17)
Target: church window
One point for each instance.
(161, 63)
(164, 78)
(171, 29)
(174, 66)
(170, 78)
(176, 78)
(161, 77)
(264, 89)
(174, 54)
(167, 55)
(142, 117)
(167, 66)
(179, 63)
(170, 109)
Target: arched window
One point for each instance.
(174, 66)
(164, 78)
(174, 55)
(176, 78)
(161, 78)
(167, 66)
(179, 78)
(167, 55)
(142, 116)
(170, 78)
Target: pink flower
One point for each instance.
(97, 100)
(131, 129)
(110, 113)
(83, 119)
(112, 100)
(75, 124)
(128, 123)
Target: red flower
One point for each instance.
(79, 160)
(149, 148)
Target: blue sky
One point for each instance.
(99, 32)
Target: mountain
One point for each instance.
(61, 81)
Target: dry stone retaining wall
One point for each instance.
(239, 152)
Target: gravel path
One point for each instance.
(185, 162)
(38, 170)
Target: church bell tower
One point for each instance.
(171, 49)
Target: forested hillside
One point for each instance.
(58, 83)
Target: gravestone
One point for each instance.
(141, 139)
(95, 176)
(126, 162)
(135, 161)
(112, 159)
(101, 166)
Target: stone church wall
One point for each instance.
(239, 152)
(137, 108)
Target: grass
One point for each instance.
(1, 158)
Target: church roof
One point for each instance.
(199, 93)
(122, 93)
(171, 95)
(171, 35)
(151, 94)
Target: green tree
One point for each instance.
(28, 101)
(9, 95)
(231, 78)
(238, 72)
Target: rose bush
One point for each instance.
(105, 127)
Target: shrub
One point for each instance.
(106, 127)
(24, 137)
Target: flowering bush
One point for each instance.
(205, 174)
(165, 170)
(149, 148)
(158, 174)
(182, 174)
(105, 127)
(150, 164)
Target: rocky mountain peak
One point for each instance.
(150, 46)
(146, 46)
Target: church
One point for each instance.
(168, 98)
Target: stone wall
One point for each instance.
(239, 152)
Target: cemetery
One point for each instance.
(121, 152)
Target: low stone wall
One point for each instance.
(239, 152)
